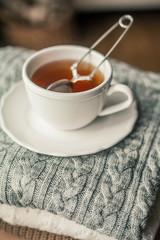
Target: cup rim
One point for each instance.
(58, 95)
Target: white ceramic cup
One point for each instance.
(70, 111)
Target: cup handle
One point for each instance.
(120, 106)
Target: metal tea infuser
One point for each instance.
(65, 85)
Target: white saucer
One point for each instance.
(22, 124)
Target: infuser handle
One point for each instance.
(122, 24)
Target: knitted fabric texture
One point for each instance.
(111, 191)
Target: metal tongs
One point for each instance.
(124, 22)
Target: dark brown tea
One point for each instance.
(58, 70)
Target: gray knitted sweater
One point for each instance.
(112, 191)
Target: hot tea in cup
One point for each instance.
(69, 96)
(70, 111)
(57, 70)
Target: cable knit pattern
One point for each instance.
(112, 191)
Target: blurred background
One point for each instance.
(36, 24)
